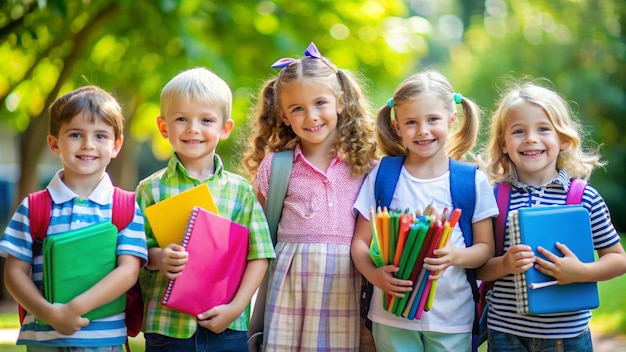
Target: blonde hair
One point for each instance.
(432, 83)
(576, 161)
(93, 102)
(355, 129)
(198, 85)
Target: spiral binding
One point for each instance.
(521, 292)
(185, 242)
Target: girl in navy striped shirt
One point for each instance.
(536, 146)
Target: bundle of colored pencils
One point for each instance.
(404, 239)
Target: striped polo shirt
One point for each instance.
(70, 212)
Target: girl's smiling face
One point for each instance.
(423, 125)
(311, 109)
(532, 144)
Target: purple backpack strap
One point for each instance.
(503, 195)
(576, 191)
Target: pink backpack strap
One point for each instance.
(503, 195)
(123, 208)
(576, 191)
(39, 206)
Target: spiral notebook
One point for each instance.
(168, 218)
(218, 251)
(544, 226)
(76, 260)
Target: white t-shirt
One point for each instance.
(453, 309)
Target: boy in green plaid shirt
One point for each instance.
(195, 115)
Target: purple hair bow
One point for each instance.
(311, 51)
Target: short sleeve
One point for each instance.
(17, 240)
(264, 172)
(486, 205)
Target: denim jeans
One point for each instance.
(35, 348)
(202, 340)
(503, 342)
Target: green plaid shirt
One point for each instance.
(236, 200)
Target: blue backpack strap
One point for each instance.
(463, 191)
(385, 184)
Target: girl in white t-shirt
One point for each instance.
(424, 112)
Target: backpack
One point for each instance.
(279, 181)
(273, 209)
(502, 192)
(122, 214)
(463, 192)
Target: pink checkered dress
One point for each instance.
(314, 287)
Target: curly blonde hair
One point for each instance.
(355, 129)
(433, 83)
(576, 161)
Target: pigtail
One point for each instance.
(462, 140)
(355, 128)
(270, 133)
(388, 139)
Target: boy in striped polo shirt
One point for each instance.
(86, 127)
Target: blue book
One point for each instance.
(544, 226)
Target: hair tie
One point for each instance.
(390, 103)
(458, 98)
(311, 51)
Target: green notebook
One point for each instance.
(76, 260)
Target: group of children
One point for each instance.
(317, 110)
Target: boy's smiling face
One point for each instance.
(85, 148)
(193, 129)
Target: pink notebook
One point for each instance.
(218, 250)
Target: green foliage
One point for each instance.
(133, 48)
(578, 47)
(610, 318)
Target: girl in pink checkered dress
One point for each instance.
(317, 110)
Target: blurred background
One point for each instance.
(131, 48)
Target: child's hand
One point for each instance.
(564, 269)
(518, 259)
(64, 320)
(173, 260)
(443, 258)
(217, 319)
(386, 281)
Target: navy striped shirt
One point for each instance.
(503, 316)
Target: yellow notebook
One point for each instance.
(168, 218)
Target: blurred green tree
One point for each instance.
(132, 48)
(575, 47)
